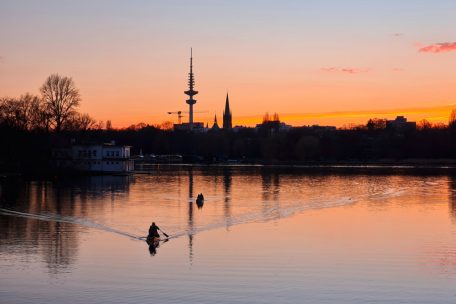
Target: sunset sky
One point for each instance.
(313, 62)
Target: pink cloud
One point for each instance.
(345, 70)
(439, 47)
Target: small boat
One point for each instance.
(153, 241)
(200, 200)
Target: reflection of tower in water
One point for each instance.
(190, 213)
(227, 180)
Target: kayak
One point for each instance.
(153, 241)
(200, 202)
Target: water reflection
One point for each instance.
(270, 182)
(452, 196)
(227, 181)
(234, 196)
(154, 244)
(190, 214)
(55, 241)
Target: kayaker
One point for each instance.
(200, 197)
(153, 231)
(200, 201)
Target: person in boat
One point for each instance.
(153, 232)
(200, 201)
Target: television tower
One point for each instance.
(190, 92)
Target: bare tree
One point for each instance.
(108, 125)
(79, 122)
(275, 117)
(376, 124)
(86, 122)
(424, 124)
(452, 122)
(100, 125)
(166, 125)
(7, 113)
(61, 97)
(26, 112)
(35, 112)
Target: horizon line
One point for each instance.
(341, 118)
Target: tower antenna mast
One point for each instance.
(191, 92)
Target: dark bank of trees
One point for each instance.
(301, 145)
(372, 142)
(29, 151)
(31, 126)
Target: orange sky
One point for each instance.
(433, 114)
(329, 63)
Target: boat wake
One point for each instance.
(279, 212)
(68, 219)
(268, 212)
(266, 215)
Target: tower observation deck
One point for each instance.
(191, 92)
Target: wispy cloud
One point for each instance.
(439, 47)
(345, 70)
(398, 34)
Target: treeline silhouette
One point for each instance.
(31, 126)
(29, 151)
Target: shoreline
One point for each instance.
(406, 166)
(374, 164)
(315, 168)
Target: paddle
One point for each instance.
(164, 233)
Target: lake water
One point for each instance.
(263, 235)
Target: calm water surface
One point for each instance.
(262, 236)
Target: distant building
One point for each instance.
(197, 127)
(322, 128)
(274, 125)
(400, 124)
(240, 128)
(227, 117)
(215, 126)
(94, 158)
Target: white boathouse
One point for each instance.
(95, 158)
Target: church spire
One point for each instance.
(215, 126)
(227, 104)
(227, 118)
